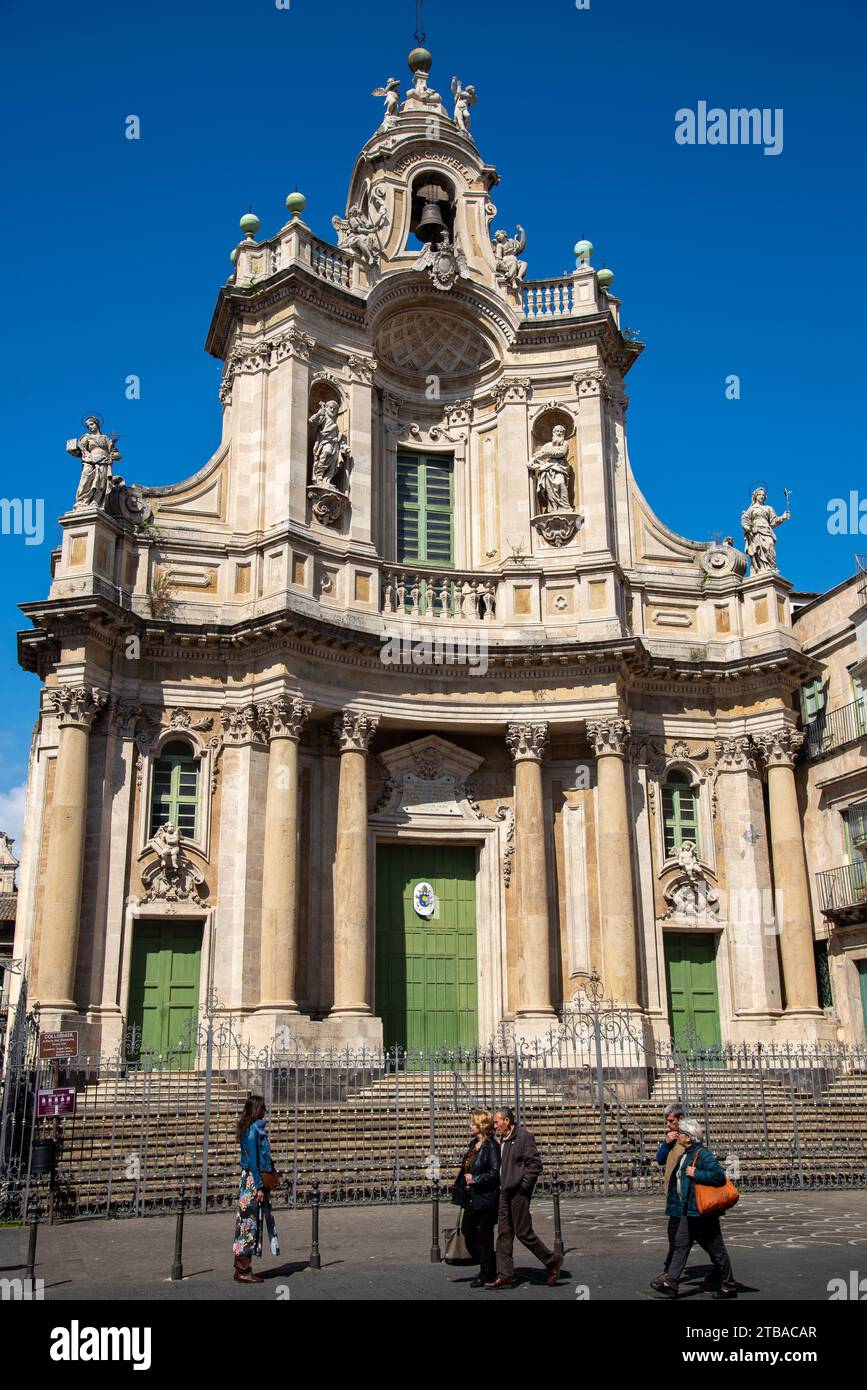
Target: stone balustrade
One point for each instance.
(331, 264)
(439, 595)
(549, 299)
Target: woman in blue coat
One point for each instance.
(252, 1197)
(698, 1165)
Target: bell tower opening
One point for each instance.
(433, 209)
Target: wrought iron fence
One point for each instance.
(381, 1126)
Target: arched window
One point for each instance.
(175, 794)
(679, 812)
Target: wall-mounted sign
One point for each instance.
(58, 1047)
(50, 1104)
(424, 900)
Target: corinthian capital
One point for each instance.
(736, 754)
(354, 730)
(284, 717)
(527, 742)
(76, 705)
(610, 736)
(780, 748)
(240, 724)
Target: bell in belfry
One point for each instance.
(431, 224)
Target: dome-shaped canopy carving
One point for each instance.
(428, 340)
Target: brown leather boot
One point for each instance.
(244, 1271)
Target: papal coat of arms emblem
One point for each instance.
(424, 900)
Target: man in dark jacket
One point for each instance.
(520, 1168)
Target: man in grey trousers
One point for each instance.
(520, 1168)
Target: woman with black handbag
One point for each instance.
(477, 1193)
(259, 1177)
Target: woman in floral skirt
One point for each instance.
(252, 1197)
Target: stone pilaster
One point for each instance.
(76, 708)
(749, 913)
(527, 744)
(282, 721)
(610, 739)
(353, 731)
(779, 749)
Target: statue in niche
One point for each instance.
(465, 98)
(759, 522)
(509, 271)
(97, 452)
(553, 473)
(358, 232)
(331, 447)
(391, 92)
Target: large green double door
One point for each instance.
(164, 987)
(426, 967)
(693, 1005)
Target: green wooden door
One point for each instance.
(862, 971)
(426, 968)
(164, 987)
(693, 1006)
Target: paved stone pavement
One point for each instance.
(784, 1246)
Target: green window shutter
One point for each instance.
(175, 790)
(861, 701)
(812, 700)
(855, 821)
(679, 813)
(425, 509)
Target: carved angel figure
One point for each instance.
(331, 447)
(509, 270)
(688, 860)
(166, 844)
(759, 522)
(465, 97)
(553, 472)
(97, 452)
(391, 92)
(359, 231)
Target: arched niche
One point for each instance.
(542, 433)
(431, 189)
(324, 389)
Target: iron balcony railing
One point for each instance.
(834, 728)
(843, 888)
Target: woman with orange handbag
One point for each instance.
(698, 1191)
(258, 1178)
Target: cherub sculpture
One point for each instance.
(391, 92)
(509, 271)
(759, 522)
(688, 860)
(553, 472)
(465, 98)
(166, 844)
(331, 447)
(359, 231)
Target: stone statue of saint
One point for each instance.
(331, 447)
(509, 270)
(391, 92)
(97, 452)
(465, 97)
(359, 231)
(759, 522)
(553, 472)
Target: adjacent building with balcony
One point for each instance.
(404, 715)
(832, 628)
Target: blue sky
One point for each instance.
(729, 261)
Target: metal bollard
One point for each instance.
(178, 1266)
(315, 1258)
(31, 1243)
(435, 1252)
(559, 1250)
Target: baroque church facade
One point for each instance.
(404, 718)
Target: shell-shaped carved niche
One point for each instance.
(429, 342)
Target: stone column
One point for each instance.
(794, 919)
(54, 987)
(353, 731)
(283, 720)
(610, 739)
(527, 744)
(755, 982)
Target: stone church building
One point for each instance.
(404, 715)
